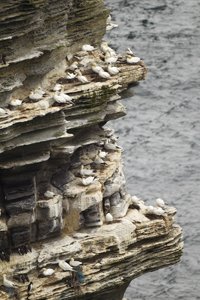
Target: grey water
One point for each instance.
(161, 132)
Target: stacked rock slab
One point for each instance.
(47, 208)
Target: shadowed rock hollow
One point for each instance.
(62, 189)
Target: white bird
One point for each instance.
(96, 68)
(87, 48)
(130, 52)
(98, 160)
(8, 283)
(160, 202)
(43, 104)
(73, 66)
(16, 102)
(149, 210)
(110, 58)
(110, 146)
(159, 211)
(57, 87)
(111, 26)
(86, 172)
(37, 94)
(70, 76)
(113, 70)
(105, 48)
(48, 272)
(102, 154)
(104, 74)
(80, 77)
(75, 263)
(49, 194)
(109, 218)
(3, 112)
(132, 59)
(65, 266)
(88, 180)
(62, 98)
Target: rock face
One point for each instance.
(62, 188)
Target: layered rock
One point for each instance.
(60, 168)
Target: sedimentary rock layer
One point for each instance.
(62, 188)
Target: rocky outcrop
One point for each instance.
(62, 188)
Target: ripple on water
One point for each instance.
(161, 133)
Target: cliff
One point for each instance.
(61, 174)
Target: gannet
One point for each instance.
(86, 172)
(3, 112)
(104, 74)
(98, 160)
(65, 266)
(75, 263)
(110, 58)
(15, 102)
(159, 211)
(37, 94)
(105, 48)
(73, 66)
(132, 59)
(62, 98)
(57, 87)
(102, 154)
(70, 76)
(130, 52)
(109, 24)
(113, 70)
(47, 272)
(80, 77)
(110, 146)
(109, 217)
(87, 48)
(43, 104)
(88, 180)
(49, 194)
(8, 283)
(96, 68)
(160, 202)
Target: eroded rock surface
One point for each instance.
(62, 188)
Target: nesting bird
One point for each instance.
(109, 218)
(103, 74)
(8, 283)
(49, 194)
(87, 48)
(15, 103)
(73, 66)
(70, 76)
(65, 266)
(83, 79)
(58, 87)
(96, 68)
(75, 263)
(109, 24)
(37, 94)
(110, 146)
(48, 272)
(160, 202)
(62, 98)
(3, 112)
(88, 180)
(110, 58)
(132, 59)
(86, 172)
(112, 70)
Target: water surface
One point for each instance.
(161, 132)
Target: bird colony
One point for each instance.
(66, 216)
